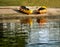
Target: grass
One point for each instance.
(48, 3)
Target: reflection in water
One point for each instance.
(16, 34)
(46, 36)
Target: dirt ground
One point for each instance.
(14, 10)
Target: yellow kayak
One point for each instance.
(26, 10)
(42, 10)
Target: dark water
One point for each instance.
(17, 35)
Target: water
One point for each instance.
(46, 36)
(17, 35)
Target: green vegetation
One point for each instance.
(48, 3)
